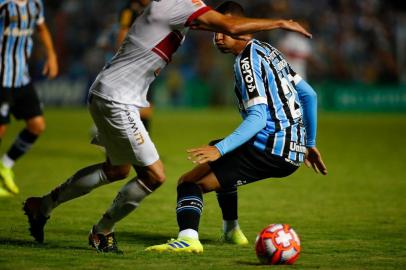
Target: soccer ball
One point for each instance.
(277, 244)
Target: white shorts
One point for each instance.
(121, 132)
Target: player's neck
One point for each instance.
(240, 46)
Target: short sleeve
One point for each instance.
(186, 11)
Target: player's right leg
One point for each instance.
(189, 207)
(38, 209)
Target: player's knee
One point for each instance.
(159, 178)
(205, 187)
(116, 173)
(185, 179)
(3, 129)
(153, 180)
(37, 126)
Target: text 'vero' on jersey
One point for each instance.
(263, 76)
(150, 43)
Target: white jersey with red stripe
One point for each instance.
(150, 43)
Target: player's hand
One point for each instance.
(51, 66)
(203, 154)
(291, 25)
(313, 160)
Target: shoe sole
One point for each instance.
(175, 251)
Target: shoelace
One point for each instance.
(110, 241)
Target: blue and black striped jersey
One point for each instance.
(263, 76)
(18, 19)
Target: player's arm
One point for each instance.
(235, 26)
(125, 24)
(308, 100)
(255, 104)
(252, 124)
(51, 64)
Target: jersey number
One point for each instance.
(289, 92)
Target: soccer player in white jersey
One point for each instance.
(115, 98)
(18, 20)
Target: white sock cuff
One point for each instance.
(189, 233)
(7, 161)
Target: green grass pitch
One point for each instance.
(354, 218)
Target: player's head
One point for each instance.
(223, 42)
(231, 8)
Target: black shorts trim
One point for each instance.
(22, 102)
(247, 164)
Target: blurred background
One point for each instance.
(356, 60)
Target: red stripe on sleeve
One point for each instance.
(197, 14)
(168, 46)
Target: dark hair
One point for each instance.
(231, 7)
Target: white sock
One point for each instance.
(126, 201)
(7, 161)
(81, 183)
(189, 233)
(229, 225)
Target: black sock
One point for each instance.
(189, 207)
(228, 201)
(22, 144)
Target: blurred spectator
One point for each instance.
(353, 40)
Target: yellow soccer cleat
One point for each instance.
(235, 236)
(180, 245)
(4, 193)
(7, 179)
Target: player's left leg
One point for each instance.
(26, 106)
(148, 179)
(189, 207)
(231, 232)
(228, 202)
(5, 187)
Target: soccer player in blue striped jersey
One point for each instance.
(18, 20)
(278, 133)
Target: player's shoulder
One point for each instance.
(251, 50)
(4, 2)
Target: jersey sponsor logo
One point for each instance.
(134, 128)
(240, 182)
(248, 74)
(15, 32)
(281, 65)
(297, 147)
